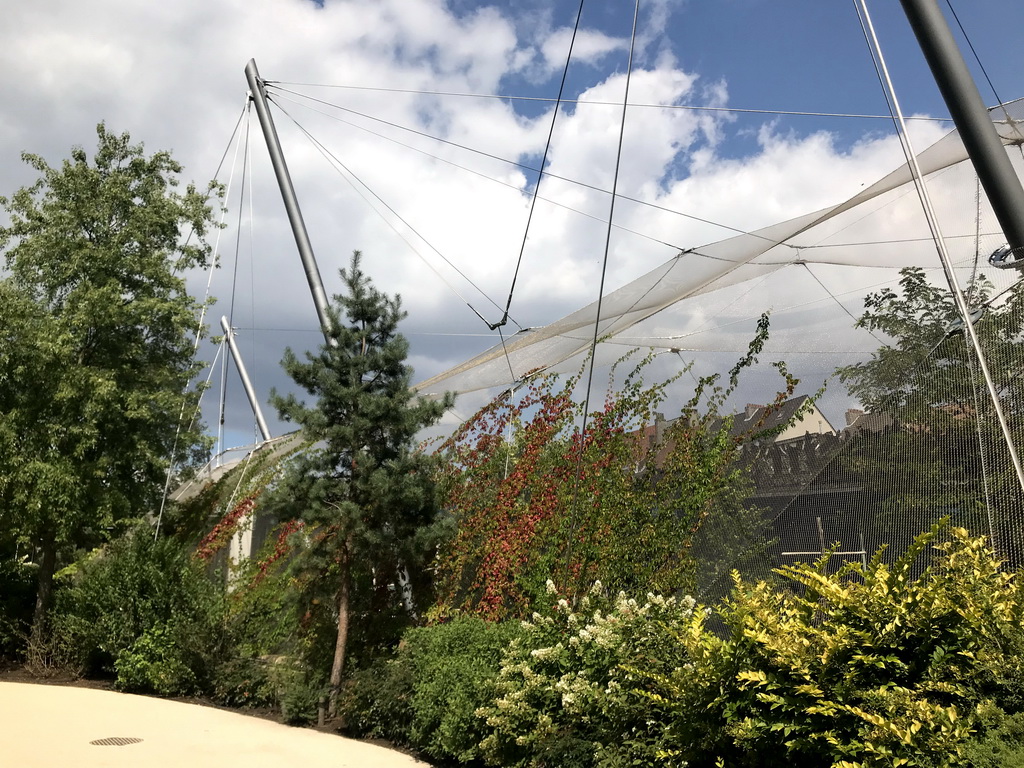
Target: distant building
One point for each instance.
(784, 422)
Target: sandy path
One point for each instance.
(49, 726)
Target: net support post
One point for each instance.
(229, 336)
(971, 117)
(258, 93)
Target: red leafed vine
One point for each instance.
(534, 497)
(226, 527)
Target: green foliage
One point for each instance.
(155, 663)
(17, 593)
(299, 690)
(925, 364)
(362, 491)
(533, 497)
(935, 443)
(375, 702)
(264, 627)
(427, 695)
(145, 611)
(1000, 744)
(454, 666)
(96, 345)
(863, 667)
(890, 665)
(567, 693)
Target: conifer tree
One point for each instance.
(362, 490)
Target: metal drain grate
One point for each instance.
(115, 741)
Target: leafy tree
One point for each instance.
(936, 447)
(95, 345)
(363, 491)
(927, 364)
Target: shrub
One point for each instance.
(17, 599)
(149, 602)
(376, 700)
(262, 626)
(426, 696)
(299, 690)
(864, 667)
(1001, 743)
(533, 496)
(454, 668)
(154, 663)
(568, 689)
(243, 682)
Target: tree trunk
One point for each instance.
(338, 667)
(44, 587)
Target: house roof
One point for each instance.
(764, 418)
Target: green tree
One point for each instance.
(95, 345)
(936, 447)
(363, 490)
(927, 362)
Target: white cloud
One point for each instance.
(589, 47)
(171, 74)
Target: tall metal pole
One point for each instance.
(291, 202)
(971, 118)
(229, 335)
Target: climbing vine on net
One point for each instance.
(534, 496)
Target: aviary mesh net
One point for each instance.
(904, 432)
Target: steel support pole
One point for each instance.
(291, 202)
(229, 336)
(971, 117)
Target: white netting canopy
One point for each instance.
(811, 272)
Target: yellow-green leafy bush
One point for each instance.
(878, 666)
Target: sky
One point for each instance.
(364, 78)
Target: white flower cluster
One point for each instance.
(571, 663)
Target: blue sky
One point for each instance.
(171, 75)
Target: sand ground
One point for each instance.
(51, 726)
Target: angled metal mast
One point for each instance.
(229, 336)
(971, 117)
(291, 202)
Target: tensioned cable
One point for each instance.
(837, 301)
(549, 200)
(257, 436)
(338, 165)
(540, 177)
(239, 229)
(593, 102)
(524, 166)
(982, 453)
(600, 292)
(940, 245)
(894, 241)
(788, 308)
(192, 421)
(977, 58)
(171, 464)
(234, 285)
(216, 174)
(223, 215)
(977, 237)
(262, 329)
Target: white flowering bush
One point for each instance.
(567, 692)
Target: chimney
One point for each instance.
(753, 408)
(852, 414)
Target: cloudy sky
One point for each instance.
(365, 79)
